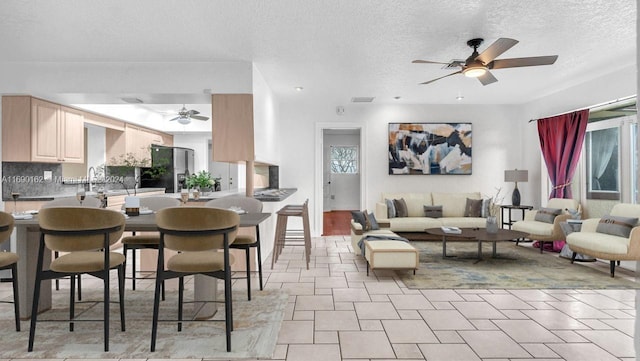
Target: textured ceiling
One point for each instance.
(335, 49)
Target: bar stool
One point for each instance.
(293, 237)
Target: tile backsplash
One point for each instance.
(27, 179)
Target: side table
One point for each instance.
(508, 221)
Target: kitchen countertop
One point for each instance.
(110, 193)
(263, 195)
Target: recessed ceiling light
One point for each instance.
(362, 99)
(298, 88)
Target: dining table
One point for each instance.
(27, 242)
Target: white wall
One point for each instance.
(497, 145)
(265, 110)
(96, 152)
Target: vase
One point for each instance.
(492, 224)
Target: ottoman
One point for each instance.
(390, 254)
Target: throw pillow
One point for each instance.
(401, 207)
(360, 217)
(616, 226)
(473, 208)
(486, 208)
(547, 215)
(373, 223)
(391, 208)
(433, 211)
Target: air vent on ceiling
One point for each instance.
(362, 99)
(454, 64)
(132, 100)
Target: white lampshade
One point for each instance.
(516, 175)
(185, 120)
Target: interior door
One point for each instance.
(228, 172)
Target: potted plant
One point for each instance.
(202, 181)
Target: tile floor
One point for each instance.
(336, 312)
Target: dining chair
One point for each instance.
(146, 241)
(198, 234)
(246, 242)
(84, 234)
(90, 202)
(9, 261)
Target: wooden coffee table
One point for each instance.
(478, 235)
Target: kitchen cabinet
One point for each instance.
(35, 130)
(133, 140)
(232, 127)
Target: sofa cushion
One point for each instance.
(473, 208)
(391, 208)
(599, 242)
(413, 224)
(361, 217)
(563, 203)
(432, 211)
(534, 227)
(616, 226)
(401, 207)
(547, 215)
(453, 204)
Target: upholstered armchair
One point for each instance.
(543, 225)
(615, 237)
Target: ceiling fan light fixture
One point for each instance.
(475, 71)
(184, 120)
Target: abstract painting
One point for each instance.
(430, 148)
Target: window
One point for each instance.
(603, 165)
(344, 159)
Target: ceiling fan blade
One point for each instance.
(431, 81)
(176, 118)
(494, 50)
(193, 112)
(487, 78)
(427, 62)
(199, 117)
(519, 62)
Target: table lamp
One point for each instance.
(516, 176)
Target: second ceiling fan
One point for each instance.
(477, 65)
(185, 116)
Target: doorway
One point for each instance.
(227, 172)
(341, 178)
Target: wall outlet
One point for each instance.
(48, 175)
(333, 196)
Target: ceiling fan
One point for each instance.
(185, 116)
(478, 65)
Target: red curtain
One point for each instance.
(561, 139)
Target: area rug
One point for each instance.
(515, 267)
(256, 327)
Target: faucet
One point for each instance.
(91, 179)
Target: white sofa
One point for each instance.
(547, 232)
(413, 226)
(606, 246)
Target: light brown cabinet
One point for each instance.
(232, 127)
(134, 141)
(34, 130)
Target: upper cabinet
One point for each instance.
(35, 130)
(232, 127)
(133, 141)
